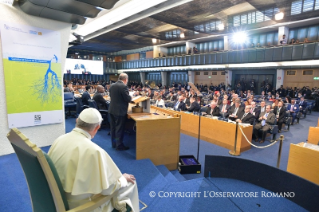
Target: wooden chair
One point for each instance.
(44, 184)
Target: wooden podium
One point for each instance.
(157, 135)
(303, 162)
(142, 104)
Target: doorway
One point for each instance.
(255, 82)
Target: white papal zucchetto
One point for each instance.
(91, 116)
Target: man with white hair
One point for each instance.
(118, 111)
(86, 170)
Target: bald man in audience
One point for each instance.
(98, 98)
(213, 110)
(265, 119)
(245, 116)
(179, 104)
(235, 110)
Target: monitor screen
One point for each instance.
(76, 66)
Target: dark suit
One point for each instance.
(248, 118)
(171, 98)
(255, 112)
(85, 98)
(271, 118)
(303, 106)
(181, 106)
(215, 111)
(224, 114)
(295, 110)
(261, 110)
(280, 115)
(100, 101)
(232, 111)
(118, 109)
(194, 107)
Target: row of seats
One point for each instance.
(306, 51)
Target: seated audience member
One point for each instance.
(171, 97)
(275, 104)
(262, 96)
(245, 116)
(235, 110)
(194, 106)
(86, 170)
(254, 110)
(160, 102)
(269, 96)
(293, 109)
(258, 45)
(265, 119)
(69, 88)
(262, 107)
(306, 40)
(213, 110)
(288, 99)
(303, 105)
(292, 41)
(280, 112)
(195, 50)
(297, 41)
(98, 98)
(86, 96)
(180, 105)
(249, 101)
(223, 108)
(200, 101)
(252, 45)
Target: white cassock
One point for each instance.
(85, 169)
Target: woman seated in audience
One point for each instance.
(287, 99)
(275, 104)
(273, 98)
(297, 41)
(248, 102)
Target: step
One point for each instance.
(167, 174)
(178, 176)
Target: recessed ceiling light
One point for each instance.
(279, 16)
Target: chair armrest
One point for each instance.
(85, 106)
(93, 204)
(103, 111)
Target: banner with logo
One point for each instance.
(32, 70)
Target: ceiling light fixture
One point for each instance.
(279, 16)
(182, 35)
(154, 40)
(221, 26)
(239, 37)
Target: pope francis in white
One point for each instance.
(85, 169)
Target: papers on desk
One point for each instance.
(311, 146)
(131, 93)
(135, 98)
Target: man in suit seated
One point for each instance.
(69, 87)
(171, 97)
(98, 98)
(254, 110)
(235, 110)
(265, 119)
(223, 108)
(293, 109)
(245, 116)
(213, 110)
(280, 112)
(180, 105)
(303, 105)
(194, 106)
(86, 96)
(262, 107)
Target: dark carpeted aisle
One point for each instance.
(159, 179)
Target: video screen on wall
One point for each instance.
(76, 66)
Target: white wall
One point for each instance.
(159, 49)
(40, 135)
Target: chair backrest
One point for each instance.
(79, 105)
(68, 96)
(43, 187)
(93, 104)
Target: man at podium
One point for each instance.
(120, 99)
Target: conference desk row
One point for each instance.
(158, 134)
(213, 131)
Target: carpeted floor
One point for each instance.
(14, 195)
